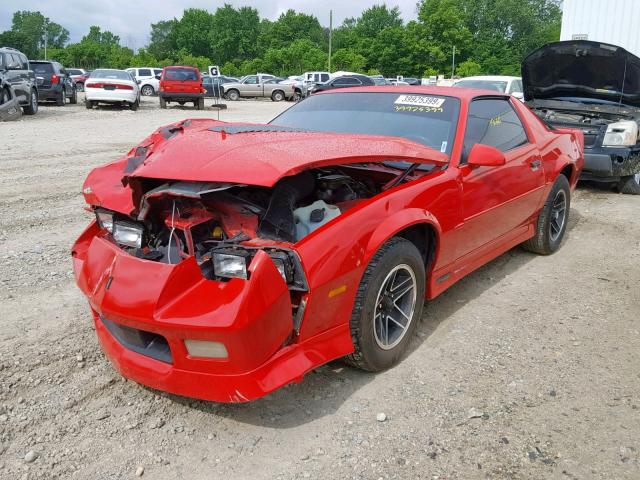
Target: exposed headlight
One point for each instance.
(621, 134)
(228, 265)
(105, 220)
(128, 233)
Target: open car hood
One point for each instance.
(202, 150)
(581, 68)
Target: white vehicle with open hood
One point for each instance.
(112, 86)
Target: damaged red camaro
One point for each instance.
(228, 260)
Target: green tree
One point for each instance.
(468, 68)
(234, 34)
(300, 56)
(163, 43)
(289, 27)
(28, 32)
(348, 60)
(192, 32)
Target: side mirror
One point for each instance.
(518, 95)
(158, 76)
(485, 156)
(138, 82)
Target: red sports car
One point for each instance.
(228, 260)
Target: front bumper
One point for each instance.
(610, 164)
(252, 318)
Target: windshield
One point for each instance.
(426, 119)
(112, 74)
(497, 85)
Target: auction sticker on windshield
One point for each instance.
(420, 101)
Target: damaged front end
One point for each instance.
(9, 106)
(196, 285)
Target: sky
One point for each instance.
(131, 20)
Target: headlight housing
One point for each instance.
(621, 134)
(234, 263)
(128, 233)
(105, 220)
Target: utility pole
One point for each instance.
(453, 62)
(330, 36)
(45, 39)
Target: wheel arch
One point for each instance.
(418, 226)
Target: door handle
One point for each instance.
(535, 165)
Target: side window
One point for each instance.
(324, 77)
(347, 81)
(252, 80)
(13, 62)
(144, 72)
(516, 86)
(157, 72)
(493, 122)
(24, 62)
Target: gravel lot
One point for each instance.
(528, 368)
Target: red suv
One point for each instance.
(182, 85)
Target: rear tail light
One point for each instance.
(54, 79)
(103, 85)
(94, 85)
(203, 90)
(124, 87)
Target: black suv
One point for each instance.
(16, 71)
(54, 83)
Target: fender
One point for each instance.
(397, 222)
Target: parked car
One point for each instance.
(593, 87)
(298, 84)
(54, 82)
(346, 81)
(181, 85)
(499, 83)
(380, 80)
(111, 86)
(149, 83)
(412, 81)
(228, 260)
(395, 82)
(80, 80)
(9, 106)
(260, 85)
(17, 73)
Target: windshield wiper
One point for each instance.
(400, 178)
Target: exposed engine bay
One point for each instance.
(223, 225)
(578, 118)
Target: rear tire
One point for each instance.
(89, 104)
(200, 104)
(74, 98)
(277, 96)
(552, 222)
(61, 100)
(630, 184)
(147, 90)
(80, 87)
(391, 293)
(163, 103)
(32, 108)
(135, 105)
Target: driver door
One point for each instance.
(251, 87)
(498, 201)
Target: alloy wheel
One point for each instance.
(558, 215)
(395, 305)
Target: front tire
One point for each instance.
(630, 184)
(233, 95)
(32, 108)
(552, 221)
(388, 306)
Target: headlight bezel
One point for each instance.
(626, 131)
(105, 219)
(241, 257)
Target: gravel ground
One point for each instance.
(527, 369)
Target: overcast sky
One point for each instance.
(131, 19)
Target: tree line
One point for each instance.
(489, 36)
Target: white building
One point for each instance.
(609, 21)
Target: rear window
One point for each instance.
(112, 74)
(496, 85)
(42, 68)
(73, 71)
(180, 74)
(144, 72)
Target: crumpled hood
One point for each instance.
(212, 151)
(580, 68)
